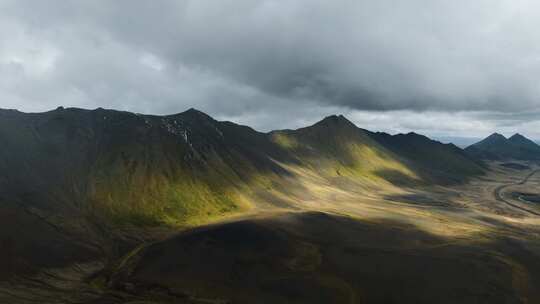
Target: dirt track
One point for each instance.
(499, 194)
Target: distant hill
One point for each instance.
(498, 147)
(436, 160)
(523, 142)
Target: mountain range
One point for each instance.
(126, 168)
(132, 168)
(80, 186)
(78, 178)
(498, 147)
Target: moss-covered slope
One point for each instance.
(188, 168)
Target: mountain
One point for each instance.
(522, 141)
(493, 147)
(86, 180)
(498, 147)
(342, 148)
(336, 148)
(96, 182)
(131, 167)
(433, 159)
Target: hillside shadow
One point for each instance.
(29, 243)
(422, 200)
(398, 178)
(320, 258)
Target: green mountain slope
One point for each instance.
(132, 168)
(339, 148)
(188, 167)
(98, 182)
(336, 148)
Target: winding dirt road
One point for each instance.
(499, 195)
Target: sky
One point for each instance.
(441, 68)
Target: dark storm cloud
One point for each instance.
(265, 61)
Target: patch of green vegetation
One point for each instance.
(150, 198)
(344, 151)
(285, 141)
(170, 203)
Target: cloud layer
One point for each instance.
(441, 67)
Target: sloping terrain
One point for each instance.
(434, 160)
(346, 150)
(90, 199)
(93, 184)
(336, 149)
(98, 174)
(460, 245)
(128, 167)
(150, 170)
(320, 258)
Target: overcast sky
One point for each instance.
(442, 68)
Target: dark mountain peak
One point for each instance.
(494, 139)
(519, 137)
(496, 136)
(194, 114)
(523, 141)
(335, 121)
(421, 137)
(193, 111)
(407, 139)
(416, 135)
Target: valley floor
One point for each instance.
(472, 243)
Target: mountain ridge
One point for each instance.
(498, 147)
(107, 177)
(103, 153)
